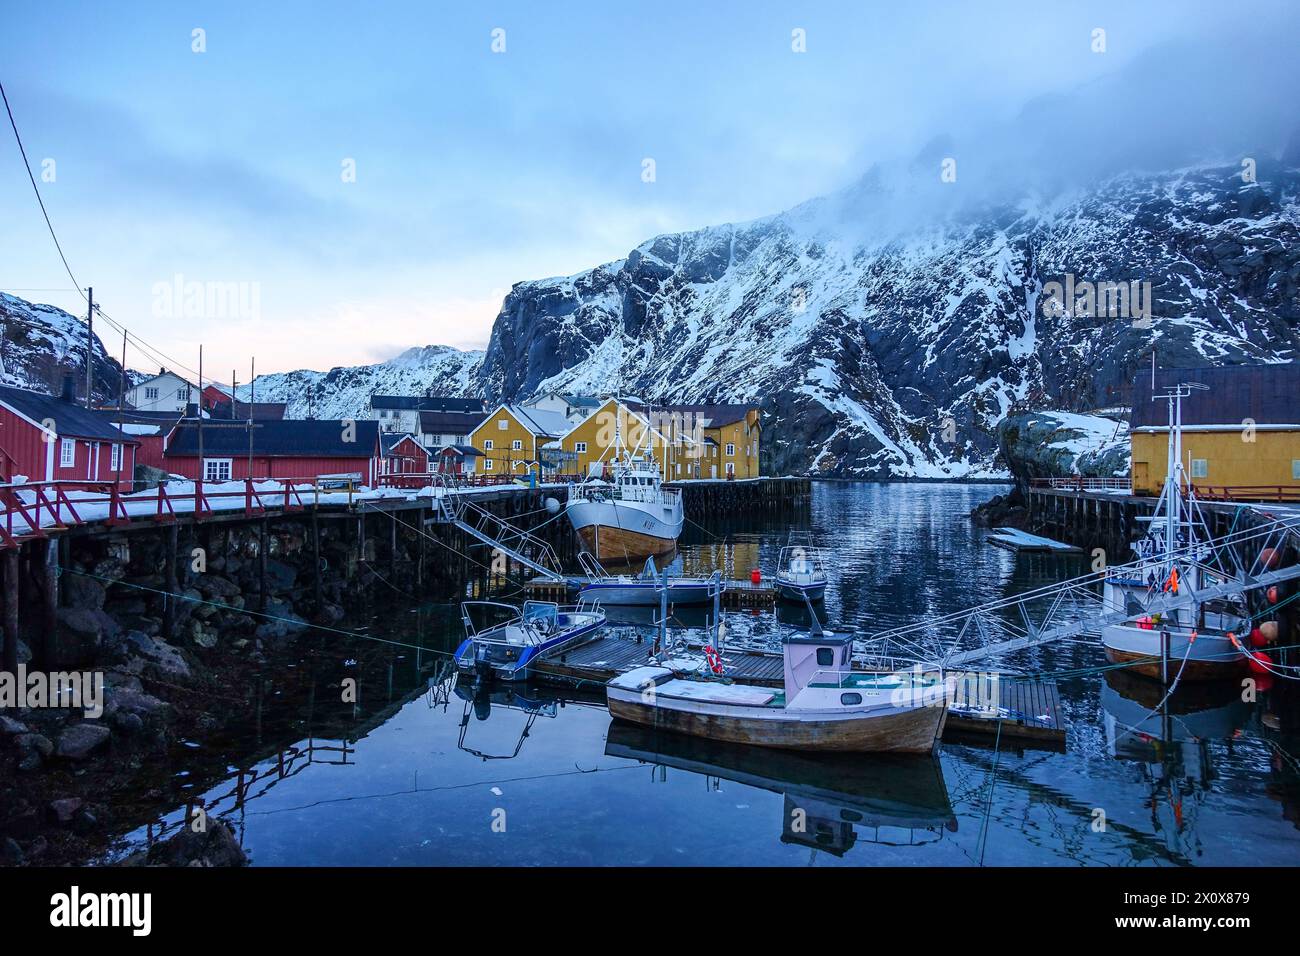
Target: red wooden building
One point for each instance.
(44, 438)
(275, 449)
(403, 455)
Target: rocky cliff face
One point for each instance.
(39, 343)
(883, 347)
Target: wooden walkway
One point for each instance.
(1028, 711)
(738, 594)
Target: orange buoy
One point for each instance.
(1270, 558)
(1271, 594)
(1257, 636)
(1259, 662)
(1269, 630)
(756, 576)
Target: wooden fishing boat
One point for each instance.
(630, 518)
(824, 704)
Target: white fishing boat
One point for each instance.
(630, 517)
(510, 648)
(645, 589)
(823, 705)
(800, 570)
(1198, 641)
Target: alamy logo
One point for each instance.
(73, 909)
(79, 690)
(1089, 300)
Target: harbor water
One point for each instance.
(402, 774)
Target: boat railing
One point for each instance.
(591, 567)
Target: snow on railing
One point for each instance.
(1081, 483)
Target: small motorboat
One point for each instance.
(644, 589)
(508, 649)
(800, 571)
(824, 705)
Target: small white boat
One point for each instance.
(645, 589)
(824, 705)
(509, 649)
(800, 571)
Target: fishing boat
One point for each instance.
(510, 648)
(1195, 641)
(629, 517)
(647, 588)
(800, 570)
(823, 704)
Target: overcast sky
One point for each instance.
(477, 169)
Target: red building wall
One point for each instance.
(24, 450)
(277, 467)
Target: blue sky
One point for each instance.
(475, 169)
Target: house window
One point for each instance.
(502, 424)
(216, 469)
(731, 467)
(487, 445)
(731, 450)
(517, 445)
(150, 393)
(580, 447)
(1200, 468)
(1295, 469)
(67, 453)
(679, 468)
(487, 464)
(182, 393)
(115, 459)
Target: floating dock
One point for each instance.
(738, 593)
(1027, 711)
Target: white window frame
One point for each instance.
(68, 453)
(731, 467)
(503, 424)
(731, 449)
(487, 464)
(487, 445)
(1200, 468)
(516, 445)
(1295, 469)
(151, 393)
(115, 457)
(580, 447)
(218, 462)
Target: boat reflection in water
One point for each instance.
(831, 801)
(526, 699)
(1172, 743)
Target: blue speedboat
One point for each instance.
(645, 589)
(509, 649)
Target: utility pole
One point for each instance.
(90, 338)
(252, 397)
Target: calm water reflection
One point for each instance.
(412, 777)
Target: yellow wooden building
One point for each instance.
(512, 439)
(1241, 432)
(686, 441)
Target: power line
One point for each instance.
(27, 164)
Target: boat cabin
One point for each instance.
(807, 655)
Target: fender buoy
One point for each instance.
(1272, 594)
(1257, 636)
(1269, 630)
(1270, 558)
(714, 659)
(1259, 662)
(756, 576)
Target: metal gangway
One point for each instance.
(1075, 607)
(457, 508)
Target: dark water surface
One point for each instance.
(395, 778)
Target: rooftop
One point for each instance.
(310, 439)
(1265, 394)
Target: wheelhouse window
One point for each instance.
(825, 657)
(67, 453)
(216, 469)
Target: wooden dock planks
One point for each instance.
(738, 594)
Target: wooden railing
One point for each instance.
(1279, 493)
(1081, 483)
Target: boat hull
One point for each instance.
(1210, 657)
(618, 530)
(789, 591)
(914, 730)
(644, 595)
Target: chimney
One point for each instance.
(69, 391)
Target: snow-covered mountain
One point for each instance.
(40, 343)
(344, 392)
(883, 343)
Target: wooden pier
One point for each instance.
(738, 594)
(1027, 711)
